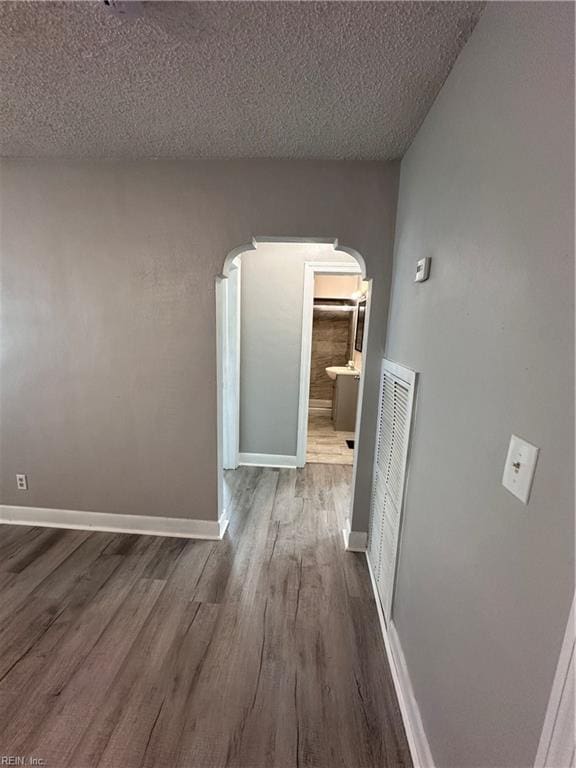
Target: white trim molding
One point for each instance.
(354, 541)
(333, 241)
(556, 747)
(273, 460)
(229, 314)
(223, 521)
(82, 520)
(420, 748)
(409, 709)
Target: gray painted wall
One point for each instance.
(485, 583)
(271, 341)
(108, 380)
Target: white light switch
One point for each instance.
(519, 468)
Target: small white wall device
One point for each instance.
(519, 468)
(422, 270)
(124, 7)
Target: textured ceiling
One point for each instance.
(223, 79)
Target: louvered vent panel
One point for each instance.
(387, 561)
(375, 531)
(394, 417)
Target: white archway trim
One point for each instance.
(233, 255)
(230, 264)
(235, 252)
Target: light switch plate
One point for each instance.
(519, 468)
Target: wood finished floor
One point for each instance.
(257, 651)
(325, 444)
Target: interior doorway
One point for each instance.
(333, 322)
(278, 406)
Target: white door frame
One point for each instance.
(311, 269)
(231, 366)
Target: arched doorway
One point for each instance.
(279, 438)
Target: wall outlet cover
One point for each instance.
(519, 468)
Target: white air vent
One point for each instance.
(397, 386)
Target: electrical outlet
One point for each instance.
(22, 482)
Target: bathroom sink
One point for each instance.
(341, 370)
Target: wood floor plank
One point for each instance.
(51, 550)
(28, 688)
(260, 651)
(181, 672)
(12, 538)
(31, 687)
(84, 694)
(46, 602)
(22, 540)
(122, 726)
(284, 494)
(213, 581)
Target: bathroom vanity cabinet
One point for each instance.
(344, 402)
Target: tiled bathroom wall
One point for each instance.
(331, 338)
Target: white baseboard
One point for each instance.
(114, 523)
(417, 741)
(267, 460)
(354, 541)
